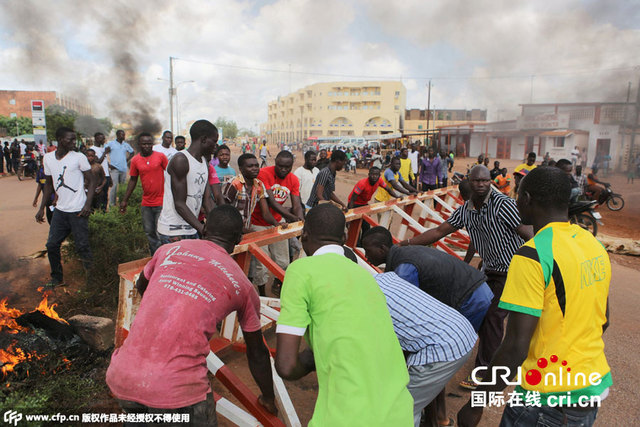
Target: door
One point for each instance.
(503, 148)
(528, 146)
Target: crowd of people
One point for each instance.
(384, 346)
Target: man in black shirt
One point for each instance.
(325, 185)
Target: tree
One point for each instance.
(229, 127)
(247, 132)
(57, 117)
(14, 126)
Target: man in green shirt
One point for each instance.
(337, 305)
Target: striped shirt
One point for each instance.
(492, 229)
(426, 328)
(327, 178)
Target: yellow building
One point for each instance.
(336, 109)
(415, 120)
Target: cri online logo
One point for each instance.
(561, 376)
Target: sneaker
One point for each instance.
(51, 284)
(469, 383)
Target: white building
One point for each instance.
(596, 128)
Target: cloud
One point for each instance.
(112, 53)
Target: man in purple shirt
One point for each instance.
(430, 170)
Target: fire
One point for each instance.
(13, 355)
(10, 358)
(8, 318)
(49, 310)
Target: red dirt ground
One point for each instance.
(20, 236)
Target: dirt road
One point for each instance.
(20, 235)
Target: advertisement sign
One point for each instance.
(544, 121)
(39, 122)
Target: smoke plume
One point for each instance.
(42, 29)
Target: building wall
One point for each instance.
(415, 120)
(18, 102)
(337, 109)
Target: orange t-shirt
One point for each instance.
(502, 180)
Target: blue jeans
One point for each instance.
(164, 239)
(150, 215)
(545, 416)
(63, 224)
(475, 307)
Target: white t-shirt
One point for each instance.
(169, 152)
(105, 163)
(263, 151)
(306, 178)
(170, 223)
(413, 156)
(23, 149)
(68, 180)
(574, 154)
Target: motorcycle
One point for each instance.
(583, 214)
(614, 201)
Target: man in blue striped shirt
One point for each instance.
(436, 338)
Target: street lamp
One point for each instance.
(173, 91)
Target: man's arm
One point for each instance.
(511, 353)
(430, 236)
(607, 323)
(296, 206)
(216, 189)
(91, 190)
(408, 187)
(525, 231)
(391, 192)
(100, 178)
(336, 199)
(398, 187)
(142, 283)
(46, 195)
(266, 213)
(471, 251)
(271, 202)
(260, 366)
(351, 202)
(131, 186)
(178, 169)
(38, 191)
(320, 191)
(290, 364)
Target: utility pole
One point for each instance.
(531, 95)
(428, 110)
(171, 90)
(636, 112)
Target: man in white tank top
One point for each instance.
(185, 186)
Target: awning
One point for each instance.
(557, 133)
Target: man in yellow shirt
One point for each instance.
(393, 179)
(523, 169)
(557, 295)
(405, 166)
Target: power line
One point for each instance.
(379, 77)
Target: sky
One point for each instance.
(234, 56)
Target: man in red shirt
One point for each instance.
(366, 188)
(281, 185)
(162, 367)
(149, 165)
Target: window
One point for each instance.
(396, 107)
(346, 94)
(365, 93)
(12, 102)
(397, 93)
(13, 115)
(330, 93)
(558, 142)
